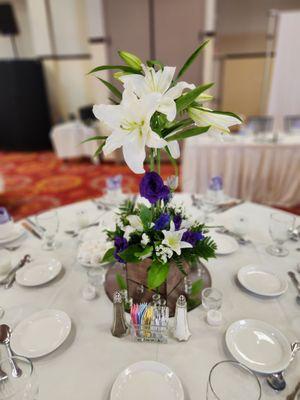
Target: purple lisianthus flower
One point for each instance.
(162, 222)
(153, 189)
(192, 237)
(4, 215)
(177, 221)
(120, 245)
(216, 183)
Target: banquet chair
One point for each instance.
(292, 123)
(260, 123)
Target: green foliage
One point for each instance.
(191, 59)
(123, 68)
(187, 98)
(111, 87)
(131, 60)
(196, 287)
(126, 208)
(129, 254)
(98, 151)
(90, 139)
(173, 126)
(145, 215)
(147, 252)
(188, 133)
(121, 282)
(109, 255)
(157, 274)
(155, 63)
(179, 265)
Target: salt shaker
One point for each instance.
(119, 326)
(181, 327)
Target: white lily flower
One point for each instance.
(135, 222)
(130, 125)
(173, 239)
(218, 122)
(157, 82)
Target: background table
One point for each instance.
(85, 366)
(266, 173)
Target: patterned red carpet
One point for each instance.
(38, 181)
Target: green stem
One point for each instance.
(158, 161)
(151, 160)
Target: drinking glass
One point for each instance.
(231, 380)
(48, 223)
(96, 276)
(212, 298)
(278, 227)
(24, 387)
(207, 207)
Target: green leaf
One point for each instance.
(107, 67)
(128, 254)
(113, 101)
(188, 133)
(109, 255)
(154, 63)
(196, 287)
(176, 125)
(90, 139)
(157, 274)
(121, 282)
(145, 215)
(131, 60)
(186, 99)
(111, 87)
(98, 151)
(147, 252)
(191, 59)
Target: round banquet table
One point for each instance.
(266, 173)
(86, 365)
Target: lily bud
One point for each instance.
(172, 182)
(131, 60)
(204, 97)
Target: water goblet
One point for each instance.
(212, 298)
(231, 380)
(48, 223)
(278, 228)
(24, 387)
(207, 207)
(96, 277)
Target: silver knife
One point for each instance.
(12, 273)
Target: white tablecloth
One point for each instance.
(265, 173)
(85, 366)
(67, 140)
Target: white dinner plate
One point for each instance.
(41, 333)
(258, 345)
(147, 380)
(38, 272)
(225, 244)
(17, 232)
(260, 280)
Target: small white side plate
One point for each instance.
(147, 380)
(41, 333)
(258, 345)
(18, 231)
(225, 244)
(38, 272)
(260, 280)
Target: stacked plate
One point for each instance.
(14, 234)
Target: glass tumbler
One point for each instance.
(48, 223)
(278, 227)
(24, 387)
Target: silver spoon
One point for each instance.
(296, 283)
(276, 380)
(5, 333)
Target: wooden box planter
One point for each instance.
(136, 276)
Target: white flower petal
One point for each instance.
(134, 83)
(176, 91)
(185, 245)
(134, 156)
(174, 148)
(164, 78)
(168, 106)
(114, 141)
(111, 115)
(154, 140)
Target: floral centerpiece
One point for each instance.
(156, 110)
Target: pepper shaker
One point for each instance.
(181, 327)
(119, 326)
